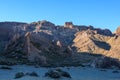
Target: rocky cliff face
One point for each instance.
(92, 42)
(44, 43)
(7, 31)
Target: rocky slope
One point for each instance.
(92, 42)
(44, 43)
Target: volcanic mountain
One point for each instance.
(44, 43)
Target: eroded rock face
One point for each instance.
(45, 43)
(7, 31)
(90, 41)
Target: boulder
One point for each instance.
(65, 74)
(53, 74)
(19, 75)
(32, 74)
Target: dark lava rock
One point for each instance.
(103, 70)
(115, 71)
(57, 73)
(3, 62)
(19, 75)
(66, 74)
(105, 32)
(107, 62)
(32, 74)
(63, 73)
(6, 67)
(53, 74)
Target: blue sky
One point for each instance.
(99, 13)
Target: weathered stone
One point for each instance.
(19, 75)
(57, 73)
(65, 74)
(53, 74)
(32, 74)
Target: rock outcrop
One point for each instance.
(7, 30)
(92, 42)
(68, 25)
(118, 31)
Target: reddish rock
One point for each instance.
(68, 25)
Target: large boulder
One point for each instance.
(19, 75)
(57, 73)
(53, 74)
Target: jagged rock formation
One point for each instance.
(44, 43)
(114, 52)
(118, 30)
(91, 42)
(7, 30)
(68, 25)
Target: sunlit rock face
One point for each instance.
(118, 31)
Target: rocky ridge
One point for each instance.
(44, 43)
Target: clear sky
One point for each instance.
(99, 13)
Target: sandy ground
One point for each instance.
(77, 73)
